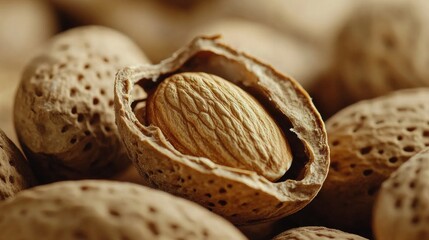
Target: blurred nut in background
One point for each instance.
(63, 111)
(314, 232)
(107, 210)
(382, 47)
(159, 29)
(9, 81)
(24, 26)
(284, 52)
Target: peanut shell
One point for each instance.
(316, 233)
(95, 209)
(63, 111)
(15, 174)
(381, 48)
(368, 141)
(401, 211)
(242, 196)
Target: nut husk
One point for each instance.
(400, 211)
(63, 111)
(108, 210)
(242, 196)
(368, 141)
(15, 173)
(315, 232)
(381, 48)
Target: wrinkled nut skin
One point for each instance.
(368, 141)
(206, 116)
(108, 210)
(63, 109)
(314, 233)
(15, 173)
(400, 210)
(242, 196)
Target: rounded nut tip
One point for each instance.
(204, 115)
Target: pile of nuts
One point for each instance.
(186, 119)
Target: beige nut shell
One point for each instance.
(316, 233)
(243, 197)
(15, 173)
(63, 111)
(400, 211)
(381, 48)
(368, 141)
(95, 209)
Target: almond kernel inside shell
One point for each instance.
(204, 115)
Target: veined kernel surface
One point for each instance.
(206, 116)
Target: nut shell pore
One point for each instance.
(204, 115)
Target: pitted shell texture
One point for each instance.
(15, 173)
(206, 116)
(64, 113)
(369, 140)
(380, 49)
(108, 210)
(242, 196)
(316, 233)
(401, 210)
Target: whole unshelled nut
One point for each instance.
(368, 140)
(315, 232)
(400, 211)
(108, 210)
(63, 108)
(206, 116)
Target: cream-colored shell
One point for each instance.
(401, 210)
(94, 209)
(243, 197)
(368, 141)
(15, 174)
(381, 48)
(316, 233)
(63, 112)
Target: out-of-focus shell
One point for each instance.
(94, 209)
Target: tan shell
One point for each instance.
(241, 196)
(64, 106)
(400, 210)
(316, 233)
(15, 174)
(368, 141)
(381, 48)
(284, 52)
(25, 25)
(94, 209)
